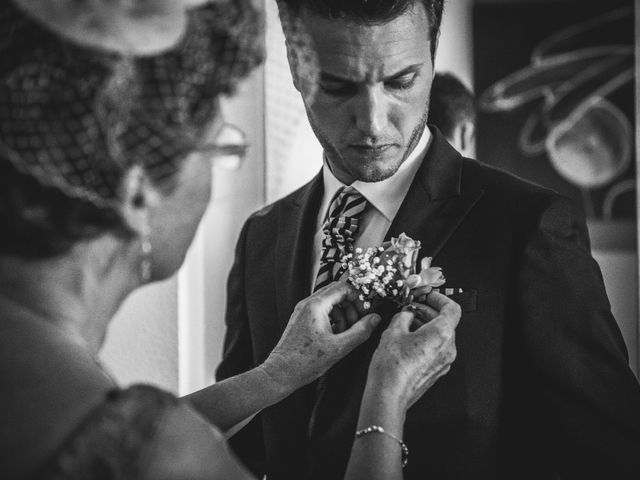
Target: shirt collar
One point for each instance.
(387, 195)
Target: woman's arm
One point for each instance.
(405, 365)
(231, 403)
(308, 348)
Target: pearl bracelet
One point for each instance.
(379, 429)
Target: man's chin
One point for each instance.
(373, 173)
(373, 170)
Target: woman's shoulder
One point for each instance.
(144, 432)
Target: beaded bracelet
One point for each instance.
(379, 429)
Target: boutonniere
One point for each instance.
(388, 272)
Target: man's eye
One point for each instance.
(402, 83)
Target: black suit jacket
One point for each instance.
(541, 387)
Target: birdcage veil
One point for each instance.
(75, 116)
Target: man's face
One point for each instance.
(371, 103)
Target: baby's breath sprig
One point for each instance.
(380, 273)
(373, 276)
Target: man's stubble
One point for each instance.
(376, 175)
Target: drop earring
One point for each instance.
(145, 247)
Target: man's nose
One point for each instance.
(371, 112)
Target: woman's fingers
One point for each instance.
(359, 332)
(351, 313)
(338, 319)
(402, 321)
(423, 313)
(331, 295)
(444, 305)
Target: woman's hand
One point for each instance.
(408, 362)
(309, 346)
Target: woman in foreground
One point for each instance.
(109, 122)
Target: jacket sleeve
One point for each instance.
(238, 357)
(584, 400)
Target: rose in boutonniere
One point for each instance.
(428, 279)
(389, 272)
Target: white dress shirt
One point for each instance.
(385, 199)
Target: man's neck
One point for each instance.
(341, 175)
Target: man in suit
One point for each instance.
(541, 387)
(452, 109)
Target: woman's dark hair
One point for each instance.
(40, 222)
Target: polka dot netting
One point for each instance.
(76, 118)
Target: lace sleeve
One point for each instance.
(143, 432)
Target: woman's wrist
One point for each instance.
(387, 388)
(383, 407)
(274, 381)
(280, 376)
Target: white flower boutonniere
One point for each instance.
(382, 273)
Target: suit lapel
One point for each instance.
(296, 228)
(435, 205)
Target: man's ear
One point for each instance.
(468, 138)
(457, 137)
(138, 197)
(292, 59)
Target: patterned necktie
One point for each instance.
(340, 230)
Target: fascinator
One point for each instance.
(89, 89)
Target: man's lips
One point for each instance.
(371, 149)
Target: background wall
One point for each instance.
(455, 48)
(142, 343)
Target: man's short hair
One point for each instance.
(373, 12)
(452, 103)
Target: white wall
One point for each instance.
(236, 195)
(455, 48)
(142, 343)
(620, 273)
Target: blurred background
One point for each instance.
(572, 128)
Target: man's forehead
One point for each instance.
(351, 50)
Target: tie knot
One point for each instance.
(340, 229)
(347, 202)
